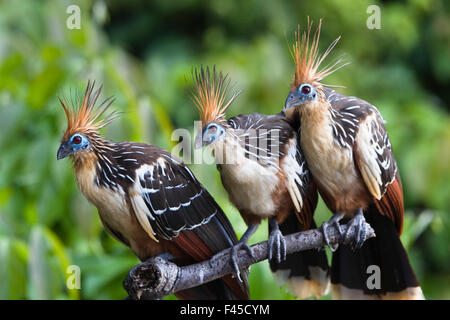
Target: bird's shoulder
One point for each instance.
(261, 125)
(135, 152)
(166, 196)
(126, 160)
(349, 106)
(349, 114)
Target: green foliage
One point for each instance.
(146, 61)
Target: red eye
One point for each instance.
(306, 89)
(76, 140)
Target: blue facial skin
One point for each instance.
(304, 93)
(307, 96)
(75, 143)
(84, 144)
(212, 132)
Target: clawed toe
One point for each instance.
(334, 221)
(277, 246)
(242, 245)
(358, 224)
(233, 256)
(324, 228)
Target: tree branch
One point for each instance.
(158, 277)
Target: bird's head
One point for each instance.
(77, 142)
(305, 95)
(81, 136)
(306, 89)
(211, 102)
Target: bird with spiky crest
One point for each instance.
(266, 177)
(350, 157)
(147, 198)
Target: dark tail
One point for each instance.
(305, 273)
(379, 270)
(201, 244)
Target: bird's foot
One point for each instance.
(334, 222)
(277, 245)
(357, 223)
(242, 245)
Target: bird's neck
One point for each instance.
(316, 129)
(99, 148)
(87, 164)
(84, 160)
(227, 151)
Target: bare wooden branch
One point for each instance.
(158, 277)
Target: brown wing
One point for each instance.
(391, 203)
(357, 124)
(171, 204)
(374, 158)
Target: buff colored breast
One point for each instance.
(114, 211)
(250, 185)
(332, 166)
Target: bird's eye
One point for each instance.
(306, 89)
(76, 140)
(212, 129)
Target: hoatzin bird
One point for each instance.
(350, 157)
(266, 177)
(147, 198)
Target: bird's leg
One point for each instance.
(242, 244)
(277, 244)
(358, 223)
(334, 221)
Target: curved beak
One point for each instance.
(296, 99)
(292, 100)
(64, 151)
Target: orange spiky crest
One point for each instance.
(210, 98)
(307, 58)
(84, 117)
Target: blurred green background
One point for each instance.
(143, 52)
